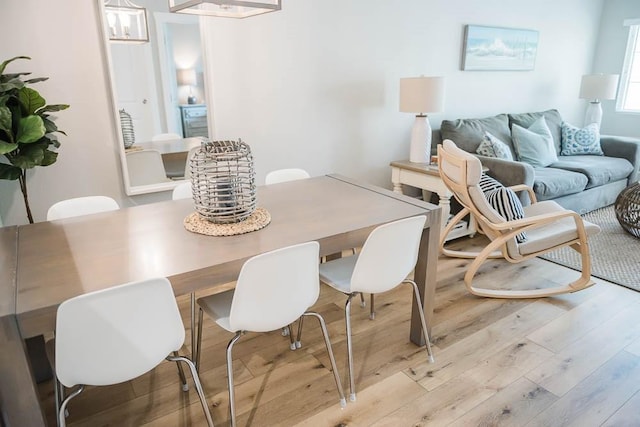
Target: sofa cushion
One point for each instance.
(535, 144)
(599, 170)
(493, 147)
(550, 183)
(468, 133)
(580, 141)
(552, 117)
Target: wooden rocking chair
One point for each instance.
(548, 227)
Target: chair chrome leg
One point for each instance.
(197, 356)
(232, 399)
(183, 379)
(56, 394)
(196, 380)
(285, 331)
(193, 324)
(299, 337)
(362, 303)
(292, 344)
(422, 319)
(62, 422)
(372, 311)
(347, 317)
(327, 342)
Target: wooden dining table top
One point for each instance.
(58, 260)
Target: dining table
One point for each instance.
(46, 263)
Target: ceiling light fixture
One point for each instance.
(225, 8)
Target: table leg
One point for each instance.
(193, 325)
(395, 180)
(425, 277)
(445, 204)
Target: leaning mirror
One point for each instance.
(156, 68)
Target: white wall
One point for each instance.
(609, 59)
(314, 85)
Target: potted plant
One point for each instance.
(27, 130)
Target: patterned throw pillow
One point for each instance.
(580, 141)
(491, 146)
(503, 200)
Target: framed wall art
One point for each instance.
(499, 49)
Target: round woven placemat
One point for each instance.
(260, 218)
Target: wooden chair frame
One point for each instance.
(501, 233)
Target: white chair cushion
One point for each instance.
(555, 233)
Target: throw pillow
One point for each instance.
(506, 203)
(487, 183)
(493, 147)
(580, 141)
(535, 144)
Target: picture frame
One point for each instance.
(499, 49)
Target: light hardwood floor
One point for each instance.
(571, 360)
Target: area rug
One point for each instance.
(615, 254)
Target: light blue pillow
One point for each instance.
(580, 141)
(535, 144)
(492, 146)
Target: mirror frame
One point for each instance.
(113, 98)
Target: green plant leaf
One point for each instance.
(53, 107)
(30, 129)
(31, 100)
(11, 84)
(29, 157)
(49, 125)
(6, 147)
(50, 158)
(9, 172)
(36, 80)
(5, 120)
(5, 63)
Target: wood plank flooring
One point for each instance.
(570, 360)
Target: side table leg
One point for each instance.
(445, 204)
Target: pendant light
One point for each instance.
(126, 21)
(225, 8)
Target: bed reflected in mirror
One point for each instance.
(159, 96)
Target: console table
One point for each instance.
(426, 177)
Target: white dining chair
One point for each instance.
(81, 206)
(182, 191)
(283, 175)
(107, 337)
(187, 165)
(386, 259)
(273, 290)
(146, 167)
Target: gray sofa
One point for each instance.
(581, 183)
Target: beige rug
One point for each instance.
(615, 254)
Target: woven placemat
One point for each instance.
(260, 218)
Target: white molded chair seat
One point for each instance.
(146, 167)
(81, 206)
(182, 191)
(273, 290)
(386, 259)
(548, 226)
(283, 175)
(107, 337)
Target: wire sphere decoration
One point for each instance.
(223, 181)
(627, 207)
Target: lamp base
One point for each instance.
(192, 99)
(420, 150)
(593, 114)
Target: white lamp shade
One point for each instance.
(599, 86)
(187, 77)
(225, 8)
(422, 94)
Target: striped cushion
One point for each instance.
(487, 183)
(508, 206)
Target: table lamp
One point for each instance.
(187, 77)
(597, 87)
(421, 95)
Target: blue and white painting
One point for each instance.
(495, 48)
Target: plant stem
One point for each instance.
(23, 187)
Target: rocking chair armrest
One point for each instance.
(540, 220)
(524, 187)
